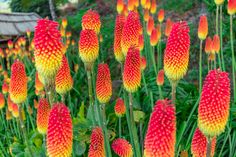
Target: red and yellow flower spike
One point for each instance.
(91, 20)
(161, 15)
(136, 3)
(160, 77)
(48, 49)
(140, 42)
(97, 148)
(64, 23)
(120, 21)
(147, 4)
(8, 115)
(219, 2)
(64, 81)
(60, 132)
(131, 5)
(146, 15)
(119, 6)
(132, 70)
(15, 110)
(119, 107)
(213, 108)
(143, 2)
(176, 55)
(216, 44)
(161, 134)
(103, 84)
(5, 88)
(208, 45)
(168, 27)
(203, 27)
(18, 83)
(125, 11)
(122, 148)
(153, 8)
(43, 111)
(2, 101)
(130, 32)
(154, 37)
(38, 84)
(199, 144)
(231, 7)
(10, 44)
(143, 63)
(150, 25)
(9, 103)
(88, 46)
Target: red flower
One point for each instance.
(122, 148)
(203, 27)
(119, 107)
(96, 148)
(43, 115)
(91, 20)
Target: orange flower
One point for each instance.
(36, 104)
(146, 15)
(147, 4)
(125, 11)
(42, 115)
(160, 77)
(150, 25)
(130, 32)
(96, 148)
(64, 81)
(203, 27)
(15, 110)
(131, 5)
(132, 70)
(28, 32)
(176, 55)
(9, 103)
(18, 83)
(48, 48)
(231, 7)
(219, 2)
(88, 46)
(211, 57)
(140, 43)
(60, 132)
(8, 115)
(153, 8)
(119, 107)
(143, 2)
(103, 84)
(122, 148)
(169, 25)
(119, 6)
(161, 134)
(5, 88)
(208, 45)
(10, 44)
(120, 20)
(154, 37)
(136, 3)
(91, 20)
(216, 44)
(213, 108)
(38, 84)
(143, 63)
(199, 144)
(64, 22)
(161, 15)
(2, 101)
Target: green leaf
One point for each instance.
(79, 148)
(138, 115)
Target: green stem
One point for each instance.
(160, 92)
(200, 68)
(22, 126)
(159, 51)
(144, 82)
(173, 92)
(217, 18)
(209, 141)
(221, 39)
(120, 132)
(151, 97)
(153, 60)
(233, 60)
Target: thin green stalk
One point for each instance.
(217, 18)
(219, 60)
(141, 135)
(200, 67)
(209, 142)
(159, 51)
(173, 92)
(144, 82)
(221, 39)
(208, 66)
(134, 130)
(22, 126)
(152, 101)
(153, 60)
(233, 60)
(160, 92)
(120, 132)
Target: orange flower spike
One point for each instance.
(150, 25)
(8, 115)
(148, 4)
(208, 45)
(158, 28)
(219, 2)
(160, 77)
(168, 28)
(136, 3)
(60, 131)
(231, 7)
(36, 104)
(143, 2)
(161, 15)
(43, 115)
(161, 134)
(154, 37)
(9, 103)
(199, 144)
(2, 101)
(120, 21)
(125, 11)
(119, 107)
(28, 32)
(146, 15)
(176, 55)
(216, 44)
(88, 46)
(64, 23)
(122, 148)
(30, 111)
(119, 6)
(91, 20)
(5, 88)
(203, 28)
(130, 32)
(48, 48)
(214, 104)
(38, 84)
(64, 80)
(15, 110)
(97, 148)
(10, 44)
(153, 8)
(211, 57)
(103, 84)
(132, 70)
(18, 83)
(140, 43)
(131, 5)
(143, 63)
